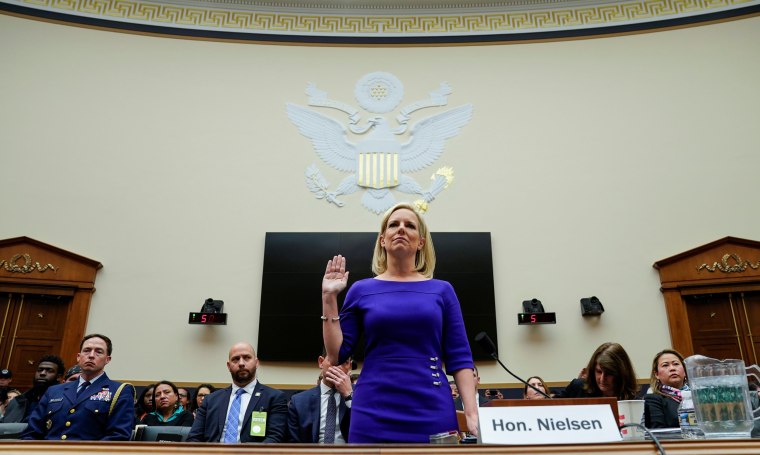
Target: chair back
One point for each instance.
(11, 430)
(162, 434)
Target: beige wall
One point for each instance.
(168, 160)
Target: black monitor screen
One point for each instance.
(294, 263)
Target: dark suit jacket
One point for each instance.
(210, 417)
(61, 415)
(304, 416)
(574, 390)
(660, 411)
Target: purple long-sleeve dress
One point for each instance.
(411, 330)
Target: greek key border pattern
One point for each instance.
(136, 11)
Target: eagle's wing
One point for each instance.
(327, 136)
(429, 135)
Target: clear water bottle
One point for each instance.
(687, 417)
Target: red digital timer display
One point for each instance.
(536, 318)
(208, 318)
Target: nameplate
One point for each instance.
(547, 424)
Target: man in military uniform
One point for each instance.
(93, 408)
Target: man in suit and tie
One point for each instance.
(247, 411)
(322, 414)
(93, 408)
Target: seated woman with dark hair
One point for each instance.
(144, 404)
(610, 373)
(667, 381)
(168, 410)
(537, 382)
(201, 392)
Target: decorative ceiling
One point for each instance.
(384, 22)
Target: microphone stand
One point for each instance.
(495, 357)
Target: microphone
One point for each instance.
(486, 343)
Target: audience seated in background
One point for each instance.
(144, 405)
(667, 380)
(537, 382)
(6, 377)
(49, 372)
(610, 373)
(10, 394)
(168, 410)
(479, 398)
(454, 390)
(309, 411)
(73, 374)
(201, 392)
(184, 398)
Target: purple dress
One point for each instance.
(411, 330)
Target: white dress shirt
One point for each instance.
(324, 396)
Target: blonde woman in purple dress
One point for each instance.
(414, 335)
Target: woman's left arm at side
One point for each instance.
(466, 382)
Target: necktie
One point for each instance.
(332, 416)
(233, 418)
(82, 388)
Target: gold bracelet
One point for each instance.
(324, 318)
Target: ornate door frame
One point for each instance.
(726, 265)
(31, 266)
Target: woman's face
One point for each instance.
(670, 371)
(531, 394)
(605, 381)
(402, 232)
(202, 392)
(148, 398)
(165, 397)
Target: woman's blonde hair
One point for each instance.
(424, 261)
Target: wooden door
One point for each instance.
(749, 309)
(725, 325)
(712, 299)
(32, 326)
(712, 319)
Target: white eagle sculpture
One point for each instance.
(379, 161)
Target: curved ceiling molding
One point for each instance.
(384, 22)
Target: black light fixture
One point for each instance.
(533, 313)
(591, 306)
(533, 306)
(212, 306)
(210, 314)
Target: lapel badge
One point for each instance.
(258, 394)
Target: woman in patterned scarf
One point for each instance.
(667, 381)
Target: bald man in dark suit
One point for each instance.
(247, 411)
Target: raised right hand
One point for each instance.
(336, 276)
